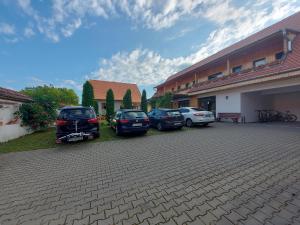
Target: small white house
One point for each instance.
(10, 124)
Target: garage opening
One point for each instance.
(278, 101)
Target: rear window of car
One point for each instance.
(173, 113)
(134, 114)
(198, 109)
(77, 113)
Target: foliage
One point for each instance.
(127, 100)
(164, 101)
(56, 97)
(36, 115)
(110, 104)
(144, 102)
(88, 96)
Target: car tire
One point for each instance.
(96, 135)
(118, 133)
(159, 127)
(189, 123)
(144, 132)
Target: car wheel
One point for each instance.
(189, 123)
(159, 127)
(118, 133)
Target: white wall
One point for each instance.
(9, 131)
(250, 102)
(103, 111)
(228, 102)
(287, 101)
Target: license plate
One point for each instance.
(137, 124)
(75, 139)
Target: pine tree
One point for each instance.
(144, 101)
(88, 96)
(127, 100)
(110, 104)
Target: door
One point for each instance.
(208, 103)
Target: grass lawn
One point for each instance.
(46, 139)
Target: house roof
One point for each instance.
(13, 95)
(289, 23)
(119, 89)
(290, 63)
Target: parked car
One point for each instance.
(76, 123)
(198, 116)
(166, 119)
(130, 121)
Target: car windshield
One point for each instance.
(77, 113)
(173, 113)
(134, 114)
(198, 109)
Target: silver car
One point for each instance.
(193, 116)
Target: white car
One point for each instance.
(194, 115)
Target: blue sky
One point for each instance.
(63, 43)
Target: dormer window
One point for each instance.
(215, 76)
(259, 62)
(279, 55)
(236, 69)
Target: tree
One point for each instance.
(56, 97)
(110, 104)
(42, 112)
(36, 116)
(165, 101)
(127, 101)
(144, 101)
(88, 96)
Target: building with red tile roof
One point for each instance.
(100, 89)
(259, 72)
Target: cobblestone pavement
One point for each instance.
(225, 174)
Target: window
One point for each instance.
(236, 69)
(187, 85)
(259, 62)
(215, 76)
(194, 82)
(172, 89)
(279, 55)
(178, 87)
(184, 110)
(134, 115)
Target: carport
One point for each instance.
(280, 99)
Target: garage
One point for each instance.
(277, 99)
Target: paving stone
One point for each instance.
(155, 179)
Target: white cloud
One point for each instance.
(72, 84)
(145, 67)
(7, 29)
(28, 32)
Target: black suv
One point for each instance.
(166, 119)
(76, 123)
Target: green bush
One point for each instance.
(36, 116)
(88, 96)
(110, 104)
(144, 102)
(127, 100)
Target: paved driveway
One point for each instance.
(226, 174)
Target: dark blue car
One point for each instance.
(130, 121)
(163, 119)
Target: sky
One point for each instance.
(66, 42)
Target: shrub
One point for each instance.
(127, 100)
(88, 96)
(36, 116)
(110, 104)
(144, 102)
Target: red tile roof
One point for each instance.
(290, 63)
(291, 22)
(13, 95)
(119, 89)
